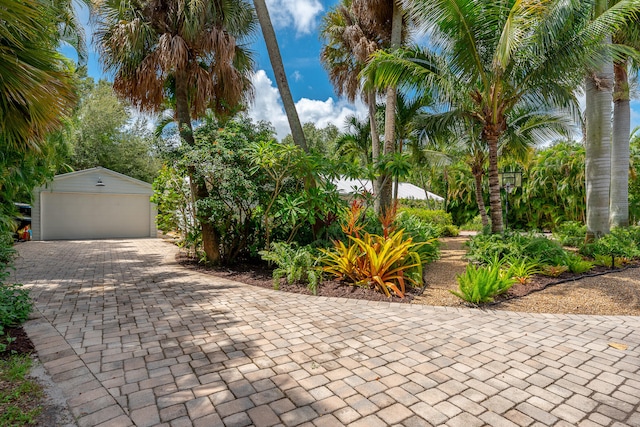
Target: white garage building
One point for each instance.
(95, 203)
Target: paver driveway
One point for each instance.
(134, 339)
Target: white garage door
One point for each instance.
(94, 216)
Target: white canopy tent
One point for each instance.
(405, 190)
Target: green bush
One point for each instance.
(482, 284)
(441, 219)
(521, 269)
(545, 250)
(474, 225)
(570, 233)
(15, 305)
(296, 264)
(485, 248)
(421, 232)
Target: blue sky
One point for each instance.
(296, 24)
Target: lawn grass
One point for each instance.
(20, 396)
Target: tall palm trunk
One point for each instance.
(619, 196)
(599, 96)
(210, 238)
(385, 181)
(495, 203)
(278, 70)
(478, 173)
(375, 144)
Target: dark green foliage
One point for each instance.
(104, 132)
(421, 232)
(15, 305)
(570, 233)
(257, 190)
(295, 264)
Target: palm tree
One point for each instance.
(352, 32)
(280, 75)
(35, 88)
(348, 45)
(355, 144)
(488, 58)
(189, 52)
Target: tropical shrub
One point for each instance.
(481, 284)
(554, 270)
(570, 233)
(475, 224)
(619, 243)
(295, 264)
(533, 247)
(441, 219)
(15, 305)
(420, 232)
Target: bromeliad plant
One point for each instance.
(384, 263)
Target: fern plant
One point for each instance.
(295, 264)
(482, 284)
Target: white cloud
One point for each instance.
(297, 76)
(267, 106)
(301, 13)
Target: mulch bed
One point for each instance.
(259, 274)
(21, 345)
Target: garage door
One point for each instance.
(66, 216)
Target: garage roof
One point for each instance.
(98, 180)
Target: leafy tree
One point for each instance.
(188, 53)
(319, 140)
(104, 133)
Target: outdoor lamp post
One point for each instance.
(509, 180)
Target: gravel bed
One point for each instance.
(616, 293)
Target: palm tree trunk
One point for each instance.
(477, 175)
(210, 238)
(375, 144)
(278, 70)
(619, 196)
(386, 181)
(599, 88)
(495, 203)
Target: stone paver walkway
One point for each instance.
(133, 339)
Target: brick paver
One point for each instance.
(132, 338)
